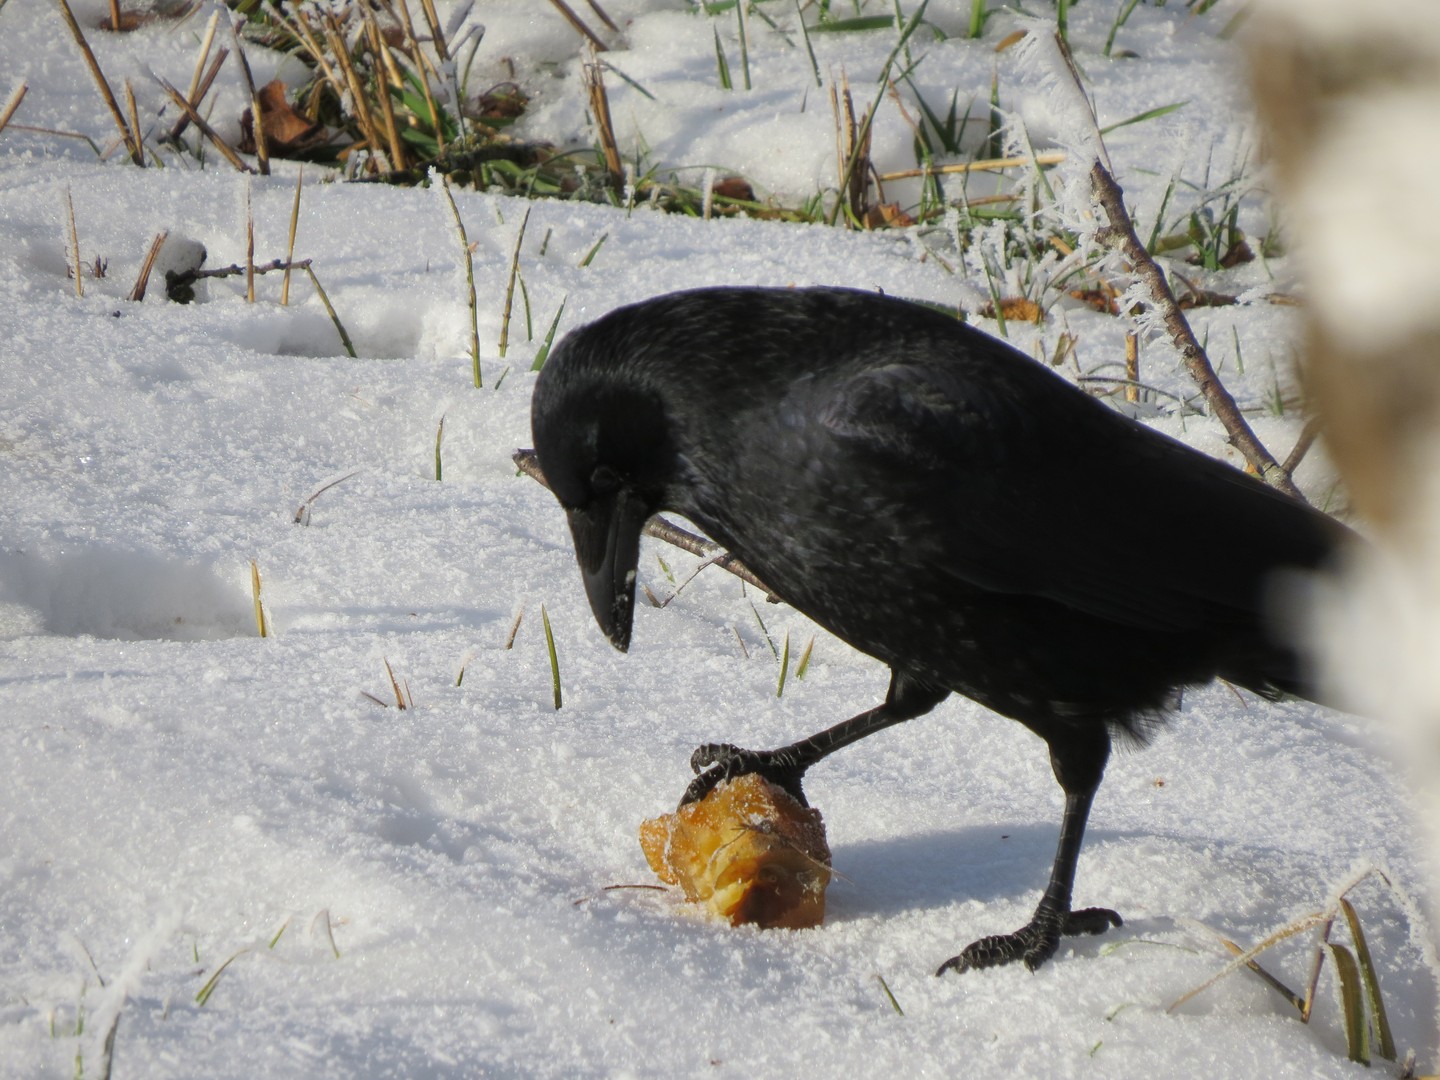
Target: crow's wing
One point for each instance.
(1036, 488)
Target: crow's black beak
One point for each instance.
(607, 545)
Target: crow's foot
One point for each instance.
(1034, 943)
(714, 762)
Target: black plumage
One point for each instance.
(939, 501)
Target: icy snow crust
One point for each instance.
(179, 790)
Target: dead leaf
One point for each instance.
(1017, 308)
(887, 215)
(287, 133)
(734, 187)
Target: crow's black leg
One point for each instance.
(907, 698)
(1078, 758)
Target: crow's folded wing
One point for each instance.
(1020, 483)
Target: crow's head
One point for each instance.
(603, 443)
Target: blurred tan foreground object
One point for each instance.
(748, 850)
(1349, 95)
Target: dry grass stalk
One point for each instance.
(249, 247)
(75, 268)
(510, 284)
(853, 149)
(604, 127)
(314, 50)
(424, 73)
(210, 133)
(469, 281)
(1132, 366)
(399, 159)
(143, 280)
(130, 138)
(262, 625)
(12, 105)
(514, 628)
(262, 151)
(437, 35)
(207, 42)
(400, 698)
(600, 13)
(290, 248)
(329, 308)
(579, 24)
(134, 115)
(984, 165)
(335, 38)
(200, 89)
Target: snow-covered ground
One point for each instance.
(179, 791)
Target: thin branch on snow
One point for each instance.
(1119, 235)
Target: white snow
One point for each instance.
(179, 790)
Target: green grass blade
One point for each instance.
(722, 65)
(544, 353)
(854, 25)
(1352, 1001)
(763, 632)
(554, 661)
(590, 255)
(209, 988)
(1140, 118)
(744, 44)
(893, 1003)
(978, 15)
(784, 665)
(1386, 1040)
(809, 48)
(626, 78)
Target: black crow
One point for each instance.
(938, 500)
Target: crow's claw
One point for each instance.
(714, 762)
(1033, 943)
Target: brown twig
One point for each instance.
(1119, 235)
(1302, 446)
(658, 527)
(189, 277)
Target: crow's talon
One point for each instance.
(1033, 943)
(713, 754)
(714, 762)
(1094, 920)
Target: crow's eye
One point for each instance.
(604, 480)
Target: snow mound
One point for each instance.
(126, 595)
